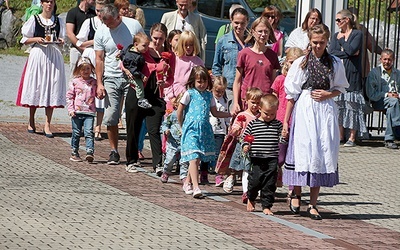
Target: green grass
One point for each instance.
(18, 7)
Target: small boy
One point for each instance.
(172, 130)
(133, 63)
(260, 141)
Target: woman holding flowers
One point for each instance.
(158, 70)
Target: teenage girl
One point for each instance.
(197, 134)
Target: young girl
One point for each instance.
(278, 89)
(172, 40)
(238, 162)
(82, 108)
(171, 129)
(219, 127)
(186, 50)
(197, 137)
(252, 61)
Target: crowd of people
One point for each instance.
(249, 118)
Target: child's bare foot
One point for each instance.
(267, 211)
(251, 206)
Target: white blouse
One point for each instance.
(28, 29)
(296, 77)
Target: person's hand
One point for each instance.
(320, 95)
(167, 132)
(160, 83)
(246, 149)
(235, 109)
(285, 130)
(61, 41)
(393, 95)
(101, 91)
(129, 74)
(72, 113)
(40, 40)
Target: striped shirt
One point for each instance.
(266, 138)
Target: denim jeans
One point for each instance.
(86, 122)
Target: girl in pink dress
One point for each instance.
(187, 49)
(278, 89)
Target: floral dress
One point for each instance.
(197, 134)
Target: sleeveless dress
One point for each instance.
(197, 134)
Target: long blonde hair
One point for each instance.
(187, 37)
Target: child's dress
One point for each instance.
(197, 134)
(278, 88)
(238, 162)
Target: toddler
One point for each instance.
(219, 127)
(238, 162)
(197, 137)
(172, 130)
(260, 142)
(132, 65)
(81, 107)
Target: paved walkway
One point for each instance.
(49, 202)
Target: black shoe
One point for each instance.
(89, 157)
(114, 158)
(158, 170)
(313, 216)
(391, 145)
(295, 210)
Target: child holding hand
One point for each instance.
(260, 142)
(172, 130)
(197, 135)
(238, 163)
(132, 65)
(81, 107)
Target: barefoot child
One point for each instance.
(197, 143)
(81, 107)
(238, 163)
(261, 143)
(133, 63)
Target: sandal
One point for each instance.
(97, 136)
(295, 210)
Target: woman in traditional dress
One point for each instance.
(43, 81)
(312, 156)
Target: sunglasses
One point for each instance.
(339, 19)
(268, 16)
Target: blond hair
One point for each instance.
(269, 101)
(187, 37)
(139, 16)
(140, 37)
(219, 81)
(291, 54)
(253, 94)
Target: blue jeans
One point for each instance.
(86, 122)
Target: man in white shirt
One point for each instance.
(111, 84)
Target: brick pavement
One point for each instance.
(49, 202)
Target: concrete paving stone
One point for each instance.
(68, 204)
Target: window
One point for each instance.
(209, 7)
(167, 4)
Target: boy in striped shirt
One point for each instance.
(260, 141)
